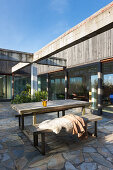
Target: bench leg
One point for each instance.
(35, 138)
(83, 111)
(95, 132)
(63, 112)
(43, 143)
(35, 141)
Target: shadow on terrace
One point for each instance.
(63, 152)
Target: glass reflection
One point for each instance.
(108, 87)
(5, 87)
(20, 84)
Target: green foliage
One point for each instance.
(25, 96)
(61, 96)
(17, 99)
(39, 96)
(28, 88)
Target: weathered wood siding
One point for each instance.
(96, 22)
(91, 50)
(6, 66)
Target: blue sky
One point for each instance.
(28, 25)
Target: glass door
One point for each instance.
(107, 87)
(3, 87)
(108, 93)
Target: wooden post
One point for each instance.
(47, 81)
(12, 86)
(39, 83)
(93, 97)
(66, 84)
(100, 90)
(34, 84)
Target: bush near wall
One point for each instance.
(25, 96)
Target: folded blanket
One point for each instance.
(71, 123)
(78, 124)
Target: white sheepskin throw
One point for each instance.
(57, 124)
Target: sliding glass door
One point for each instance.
(5, 87)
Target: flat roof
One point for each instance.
(14, 51)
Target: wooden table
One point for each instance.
(28, 109)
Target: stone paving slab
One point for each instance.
(17, 153)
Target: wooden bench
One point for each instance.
(36, 131)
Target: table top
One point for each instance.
(52, 106)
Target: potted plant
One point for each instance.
(44, 96)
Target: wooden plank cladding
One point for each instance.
(92, 24)
(6, 68)
(88, 42)
(91, 50)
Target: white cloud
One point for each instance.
(59, 5)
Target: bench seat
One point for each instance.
(36, 131)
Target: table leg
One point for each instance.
(95, 132)
(43, 143)
(58, 114)
(22, 122)
(63, 112)
(34, 119)
(83, 111)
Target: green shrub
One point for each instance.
(25, 96)
(39, 95)
(17, 99)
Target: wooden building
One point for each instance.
(77, 64)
